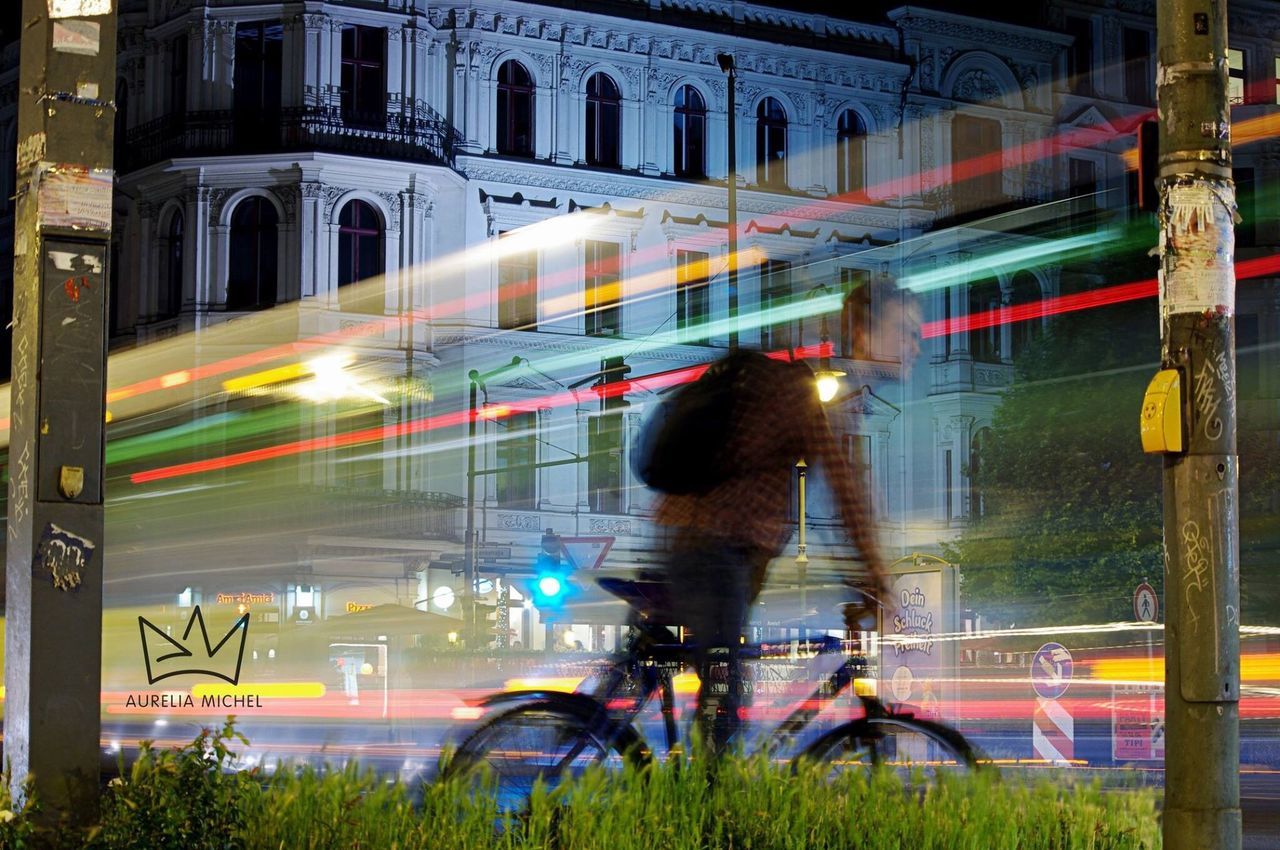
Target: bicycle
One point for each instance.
(544, 736)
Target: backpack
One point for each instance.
(683, 445)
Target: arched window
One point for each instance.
(979, 444)
(169, 296)
(253, 281)
(515, 110)
(771, 144)
(689, 134)
(360, 254)
(984, 340)
(851, 153)
(1024, 289)
(604, 121)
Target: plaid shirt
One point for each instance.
(778, 420)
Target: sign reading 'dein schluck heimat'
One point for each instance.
(912, 659)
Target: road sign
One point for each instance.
(1146, 605)
(489, 552)
(1053, 731)
(1051, 671)
(586, 553)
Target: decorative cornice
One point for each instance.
(955, 29)
(665, 193)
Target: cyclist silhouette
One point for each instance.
(721, 540)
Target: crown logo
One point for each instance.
(176, 658)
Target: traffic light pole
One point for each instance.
(1201, 524)
(53, 576)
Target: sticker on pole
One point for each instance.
(1146, 606)
(1051, 671)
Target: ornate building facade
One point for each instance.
(538, 195)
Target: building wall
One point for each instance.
(431, 171)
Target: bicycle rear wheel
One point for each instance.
(904, 745)
(540, 741)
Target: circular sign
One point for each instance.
(1146, 605)
(442, 597)
(901, 684)
(1051, 671)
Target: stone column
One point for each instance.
(144, 286)
(397, 84)
(958, 292)
(311, 209)
(196, 251)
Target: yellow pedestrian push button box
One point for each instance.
(1161, 420)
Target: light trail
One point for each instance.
(431, 423)
(1119, 293)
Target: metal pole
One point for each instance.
(802, 553)
(727, 63)
(1197, 306)
(53, 577)
(469, 544)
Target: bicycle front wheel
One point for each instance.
(904, 745)
(540, 741)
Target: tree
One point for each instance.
(1072, 507)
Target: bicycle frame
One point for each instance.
(651, 665)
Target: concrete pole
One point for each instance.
(1197, 326)
(53, 577)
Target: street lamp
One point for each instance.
(828, 378)
(802, 555)
(725, 61)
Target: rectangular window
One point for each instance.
(517, 289)
(178, 76)
(1235, 75)
(605, 439)
(976, 163)
(692, 295)
(1246, 230)
(603, 288)
(517, 452)
(256, 85)
(775, 292)
(858, 448)
(364, 86)
(1139, 83)
(855, 315)
(359, 466)
(1083, 175)
(1080, 56)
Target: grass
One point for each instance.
(185, 798)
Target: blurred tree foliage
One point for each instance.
(1072, 508)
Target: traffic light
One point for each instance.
(551, 574)
(1148, 165)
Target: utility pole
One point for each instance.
(726, 63)
(1201, 524)
(53, 580)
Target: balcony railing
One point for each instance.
(417, 137)
(384, 514)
